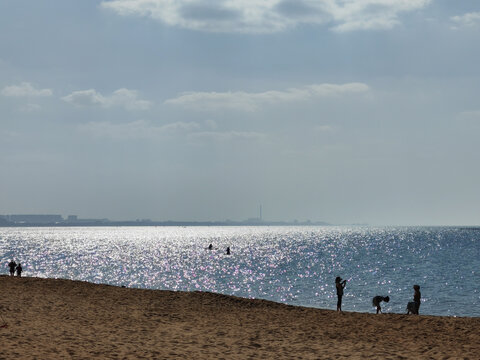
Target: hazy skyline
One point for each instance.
(361, 111)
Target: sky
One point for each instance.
(344, 111)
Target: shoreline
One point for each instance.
(79, 320)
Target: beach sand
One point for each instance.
(64, 319)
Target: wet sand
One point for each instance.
(64, 319)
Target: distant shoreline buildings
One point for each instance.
(18, 220)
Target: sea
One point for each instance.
(286, 264)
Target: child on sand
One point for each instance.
(377, 300)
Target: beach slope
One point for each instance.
(55, 318)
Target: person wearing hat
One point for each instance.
(339, 284)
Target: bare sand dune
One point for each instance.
(63, 319)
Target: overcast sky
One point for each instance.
(345, 111)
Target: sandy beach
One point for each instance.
(64, 319)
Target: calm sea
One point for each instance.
(293, 265)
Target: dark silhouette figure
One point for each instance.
(228, 250)
(340, 285)
(19, 270)
(12, 265)
(413, 307)
(377, 300)
(210, 247)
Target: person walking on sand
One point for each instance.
(12, 265)
(340, 285)
(377, 300)
(19, 270)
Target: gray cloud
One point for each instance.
(208, 12)
(269, 16)
(298, 9)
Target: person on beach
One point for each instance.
(377, 300)
(413, 307)
(228, 250)
(12, 265)
(19, 270)
(416, 297)
(340, 285)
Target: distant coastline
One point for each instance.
(73, 221)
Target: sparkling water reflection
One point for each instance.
(294, 265)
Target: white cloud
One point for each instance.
(139, 129)
(120, 98)
(466, 20)
(244, 101)
(269, 16)
(25, 89)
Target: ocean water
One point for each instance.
(292, 265)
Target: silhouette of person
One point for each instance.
(340, 285)
(377, 300)
(12, 265)
(413, 307)
(210, 247)
(416, 297)
(19, 270)
(228, 250)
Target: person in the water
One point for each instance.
(228, 250)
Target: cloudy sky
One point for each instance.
(345, 111)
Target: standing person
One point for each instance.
(12, 265)
(228, 250)
(416, 297)
(19, 270)
(339, 284)
(377, 300)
